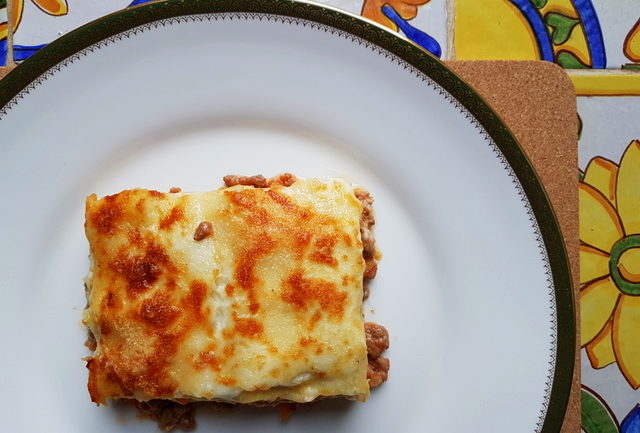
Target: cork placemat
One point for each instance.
(537, 102)
(4, 70)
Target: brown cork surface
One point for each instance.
(4, 70)
(537, 102)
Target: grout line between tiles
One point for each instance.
(451, 9)
(9, 59)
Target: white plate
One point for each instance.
(173, 94)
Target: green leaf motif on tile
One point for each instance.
(539, 3)
(595, 416)
(568, 61)
(562, 26)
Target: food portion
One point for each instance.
(251, 293)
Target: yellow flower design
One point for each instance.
(631, 47)
(51, 7)
(610, 263)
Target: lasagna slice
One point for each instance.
(245, 294)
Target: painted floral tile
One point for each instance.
(4, 30)
(609, 195)
(38, 22)
(620, 22)
(421, 21)
(576, 34)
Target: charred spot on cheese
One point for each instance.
(323, 252)
(174, 216)
(302, 239)
(108, 215)
(228, 351)
(288, 205)
(135, 237)
(248, 205)
(305, 292)
(158, 311)
(227, 381)
(110, 300)
(140, 205)
(250, 328)
(315, 318)
(105, 327)
(193, 302)
(251, 314)
(208, 359)
(244, 272)
(140, 271)
(305, 341)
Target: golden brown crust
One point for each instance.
(151, 306)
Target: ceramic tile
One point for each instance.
(522, 30)
(4, 27)
(618, 82)
(422, 21)
(618, 20)
(41, 21)
(577, 34)
(608, 125)
(609, 159)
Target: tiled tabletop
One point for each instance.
(598, 42)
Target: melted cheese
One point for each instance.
(267, 307)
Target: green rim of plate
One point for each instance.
(59, 50)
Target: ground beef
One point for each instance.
(377, 343)
(284, 179)
(367, 221)
(371, 269)
(203, 230)
(258, 181)
(168, 414)
(377, 339)
(377, 371)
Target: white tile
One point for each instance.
(609, 124)
(610, 385)
(38, 28)
(432, 19)
(353, 6)
(616, 17)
